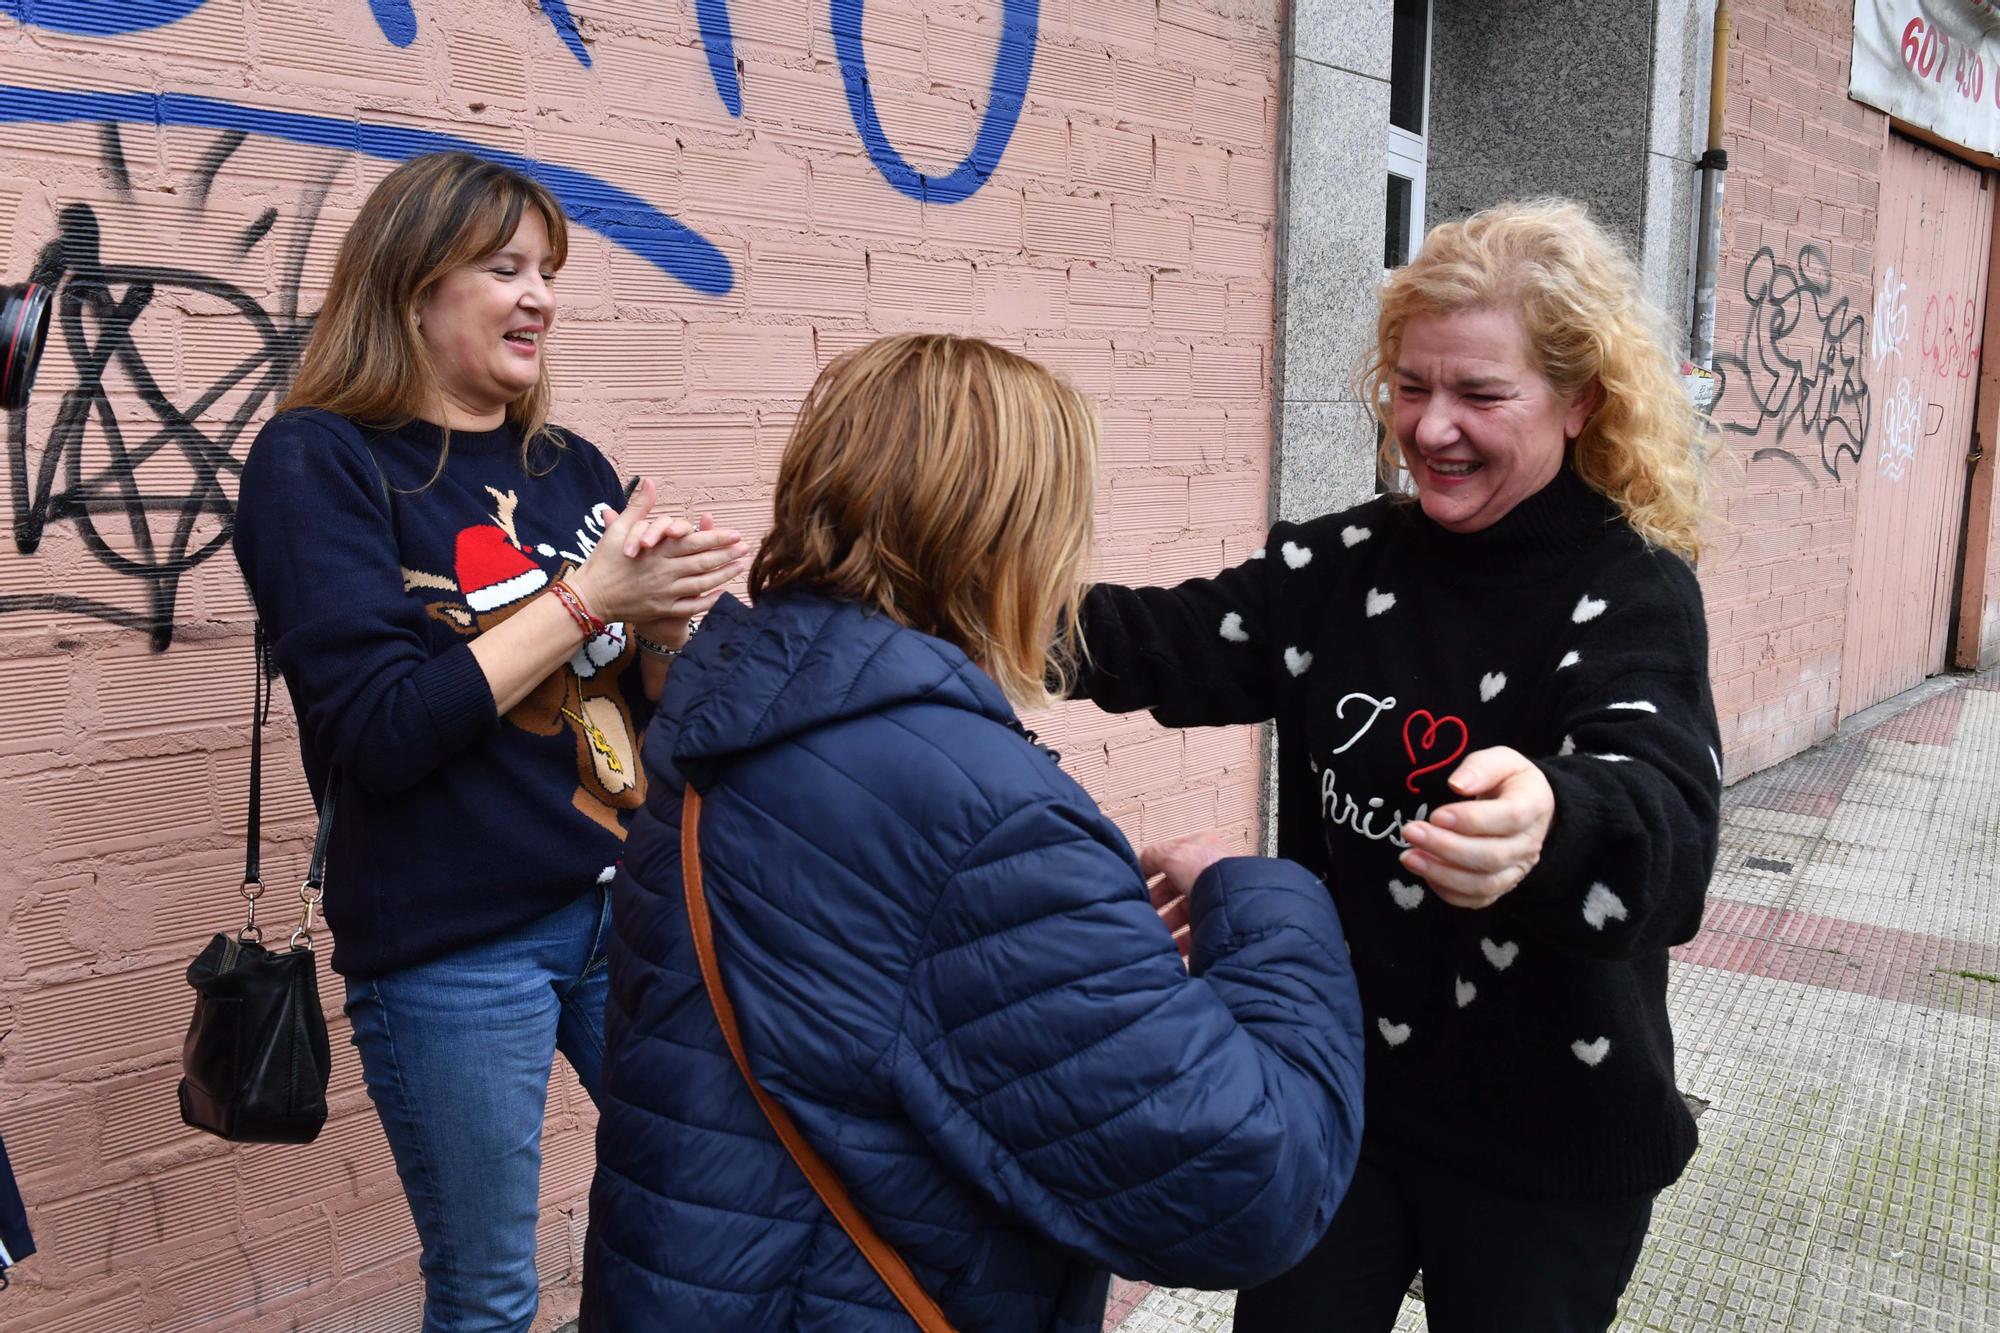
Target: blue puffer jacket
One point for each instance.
(946, 968)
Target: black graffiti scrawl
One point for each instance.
(1800, 364)
(145, 493)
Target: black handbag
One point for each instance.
(254, 1066)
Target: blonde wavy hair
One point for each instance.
(435, 213)
(1580, 299)
(948, 484)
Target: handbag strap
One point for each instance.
(881, 1256)
(313, 891)
(260, 709)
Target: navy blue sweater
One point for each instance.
(453, 825)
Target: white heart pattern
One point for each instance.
(1257, 554)
(1570, 659)
(1297, 662)
(1591, 1053)
(1491, 684)
(1568, 748)
(1296, 556)
(1378, 602)
(1409, 897)
(1465, 990)
(1635, 706)
(1355, 536)
(1715, 759)
(1232, 628)
(1502, 956)
(1393, 1033)
(1601, 905)
(1588, 608)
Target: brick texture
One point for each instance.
(1804, 178)
(1125, 236)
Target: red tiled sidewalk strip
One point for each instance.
(1125, 1298)
(1847, 956)
(1931, 723)
(1808, 785)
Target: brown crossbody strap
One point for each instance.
(881, 1256)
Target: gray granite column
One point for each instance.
(1683, 34)
(1332, 210)
(1602, 103)
(1333, 131)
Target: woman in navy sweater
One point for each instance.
(471, 632)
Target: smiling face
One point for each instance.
(485, 322)
(1480, 429)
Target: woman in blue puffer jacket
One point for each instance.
(943, 958)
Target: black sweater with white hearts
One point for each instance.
(1526, 1044)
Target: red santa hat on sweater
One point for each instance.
(492, 571)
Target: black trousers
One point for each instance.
(1492, 1263)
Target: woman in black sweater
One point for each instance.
(1497, 744)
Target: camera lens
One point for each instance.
(24, 328)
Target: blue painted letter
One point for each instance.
(1003, 104)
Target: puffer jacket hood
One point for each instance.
(946, 968)
(766, 679)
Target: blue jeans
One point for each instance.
(457, 1054)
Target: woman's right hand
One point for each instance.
(675, 574)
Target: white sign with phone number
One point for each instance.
(1932, 63)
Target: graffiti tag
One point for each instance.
(1800, 364)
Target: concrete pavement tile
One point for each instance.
(1168, 1310)
(1777, 821)
(1901, 792)
(1878, 826)
(1896, 756)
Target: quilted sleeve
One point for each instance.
(1190, 1126)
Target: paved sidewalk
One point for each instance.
(1840, 1014)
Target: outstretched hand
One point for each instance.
(1475, 851)
(1171, 868)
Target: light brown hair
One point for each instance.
(366, 360)
(948, 484)
(1578, 294)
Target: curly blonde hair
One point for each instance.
(1578, 294)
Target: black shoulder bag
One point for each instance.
(255, 1063)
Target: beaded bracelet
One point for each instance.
(660, 650)
(572, 602)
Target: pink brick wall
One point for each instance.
(1125, 237)
(1804, 163)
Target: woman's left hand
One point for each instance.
(1474, 852)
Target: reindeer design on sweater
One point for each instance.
(494, 575)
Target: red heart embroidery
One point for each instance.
(1430, 743)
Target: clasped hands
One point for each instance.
(658, 572)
